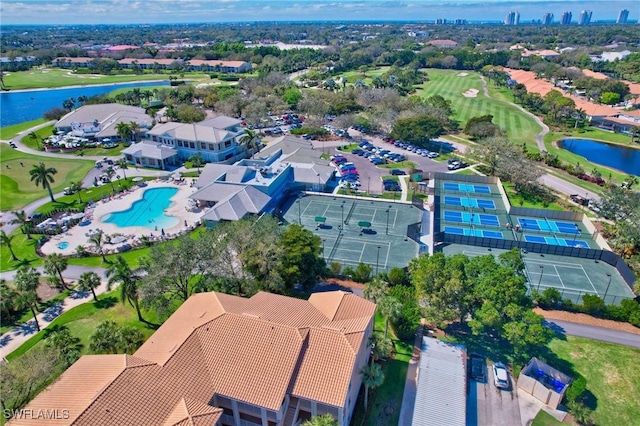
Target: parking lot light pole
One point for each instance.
(299, 213)
(607, 290)
(341, 215)
(323, 240)
(377, 260)
(576, 234)
(540, 280)
(388, 210)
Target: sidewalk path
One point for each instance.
(410, 386)
(13, 339)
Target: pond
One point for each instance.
(20, 106)
(622, 158)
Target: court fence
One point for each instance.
(597, 255)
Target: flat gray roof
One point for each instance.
(441, 397)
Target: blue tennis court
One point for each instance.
(474, 218)
(466, 187)
(549, 226)
(473, 232)
(469, 202)
(565, 242)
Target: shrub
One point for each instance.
(362, 273)
(592, 304)
(335, 268)
(577, 389)
(549, 298)
(406, 324)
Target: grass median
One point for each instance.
(9, 132)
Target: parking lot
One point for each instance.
(370, 175)
(490, 406)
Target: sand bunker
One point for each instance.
(471, 93)
(462, 74)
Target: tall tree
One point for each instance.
(96, 240)
(324, 420)
(196, 161)
(372, 377)
(35, 138)
(123, 130)
(21, 218)
(250, 140)
(124, 165)
(390, 308)
(42, 175)
(59, 338)
(129, 280)
(302, 260)
(77, 188)
(376, 289)
(6, 240)
(55, 264)
(27, 281)
(89, 281)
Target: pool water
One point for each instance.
(147, 212)
(63, 245)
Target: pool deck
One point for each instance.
(79, 235)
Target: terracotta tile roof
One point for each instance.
(188, 412)
(197, 310)
(329, 355)
(253, 350)
(72, 391)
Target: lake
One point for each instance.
(618, 157)
(18, 107)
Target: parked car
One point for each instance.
(500, 376)
(433, 154)
(357, 151)
(398, 172)
(478, 368)
(392, 187)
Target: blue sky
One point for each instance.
(181, 11)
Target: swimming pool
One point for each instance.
(147, 212)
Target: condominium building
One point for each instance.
(585, 17)
(223, 360)
(566, 18)
(513, 18)
(547, 18)
(623, 15)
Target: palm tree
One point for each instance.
(89, 281)
(135, 128)
(120, 271)
(23, 220)
(123, 130)
(372, 377)
(55, 264)
(375, 290)
(35, 138)
(43, 176)
(27, 281)
(390, 308)
(76, 187)
(110, 173)
(324, 420)
(96, 240)
(250, 140)
(6, 240)
(122, 163)
(196, 161)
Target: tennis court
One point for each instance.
(466, 187)
(469, 202)
(548, 225)
(556, 241)
(471, 218)
(373, 232)
(573, 277)
(473, 232)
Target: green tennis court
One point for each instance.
(378, 233)
(573, 277)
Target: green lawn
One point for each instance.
(612, 376)
(520, 127)
(16, 186)
(83, 320)
(38, 78)
(545, 419)
(352, 76)
(9, 132)
(517, 200)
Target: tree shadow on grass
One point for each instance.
(106, 302)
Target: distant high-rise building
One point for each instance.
(513, 18)
(622, 16)
(566, 18)
(585, 17)
(460, 22)
(547, 19)
(441, 21)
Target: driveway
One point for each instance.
(490, 406)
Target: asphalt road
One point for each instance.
(565, 187)
(596, 333)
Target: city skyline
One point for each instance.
(201, 11)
